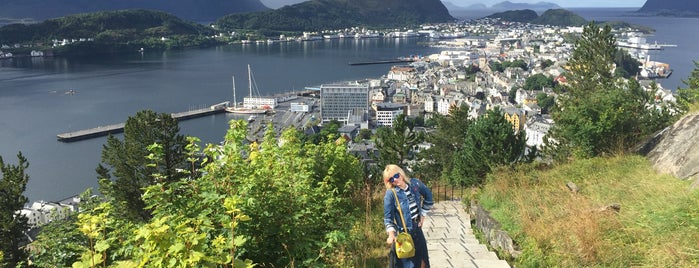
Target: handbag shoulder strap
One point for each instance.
(400, 211)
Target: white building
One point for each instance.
(387, 112)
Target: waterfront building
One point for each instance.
(339, 101)
(259, 103)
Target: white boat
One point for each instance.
(243, 110)
(252, 118)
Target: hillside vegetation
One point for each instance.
(111, 29)
(338, 14)
(557, 17)
(198, 10)
(524, 15)
(656, 225)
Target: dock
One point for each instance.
(381, 61)
(118, 128)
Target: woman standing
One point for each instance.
(415, 201)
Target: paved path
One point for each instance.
(451, 242)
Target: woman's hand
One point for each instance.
(422, 220)
(391, 238)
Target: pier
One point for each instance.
(118, 128)
(381, 62)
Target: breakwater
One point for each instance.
(380, 62)
(118, 128)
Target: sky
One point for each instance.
(563, 3)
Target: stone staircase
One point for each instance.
(451, 242)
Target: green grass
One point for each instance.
(657, 225)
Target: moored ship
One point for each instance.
(250, 103)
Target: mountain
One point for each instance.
(507, 5)
(110, 31)
(557, 17)
(479, 10)
(478, 6)
(560, 17)
(195, 10)
(317, 15)
(525, 15)
(671, 7)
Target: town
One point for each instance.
(484, 64)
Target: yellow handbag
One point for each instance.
(404, 242)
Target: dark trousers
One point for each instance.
(420, 252)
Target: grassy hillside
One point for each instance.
(657, 224)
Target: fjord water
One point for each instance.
(108, 89)
(35, 106)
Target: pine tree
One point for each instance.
(396, 144)
(447, 139)
(592, 60)
(128, 161)
(13, 225)
(489, 142)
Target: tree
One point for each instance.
(281, 203)
(127, 160)
(545, 102)
(489, 142)
(592, 60)
(538, 82)
(329, 132)
(397, 144)
(626, 66)
(446, 139)
(13, 225)
(546, 63)
(601, 114)
(512, 95)
(689, 95)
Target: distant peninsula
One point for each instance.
(560, 17)
(507, 5)
(480, 8)
(318, 15)
(679, 8)
(194, 10)
(556, 17)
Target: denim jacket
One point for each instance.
(391, 219)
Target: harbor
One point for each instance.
(118, 128)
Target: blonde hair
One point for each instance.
(391, 170)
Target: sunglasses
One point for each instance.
(394, 178)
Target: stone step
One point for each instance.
(451, 241)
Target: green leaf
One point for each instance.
(101, 246)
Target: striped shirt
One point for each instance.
(413, 203)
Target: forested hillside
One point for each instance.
(557, 17)
(337, 14)
(110, 30)
(196, 10)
